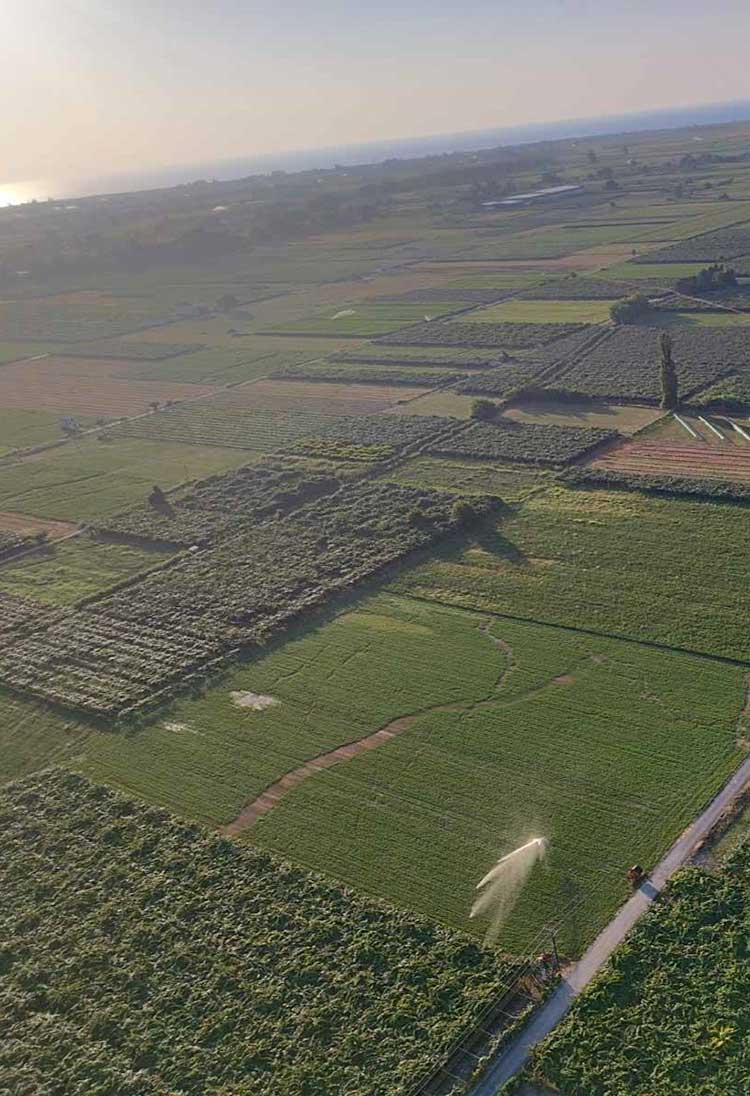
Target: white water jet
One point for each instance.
(502, 885)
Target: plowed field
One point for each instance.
(695, 461)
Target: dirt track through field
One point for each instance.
(269, 798)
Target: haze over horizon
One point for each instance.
(164, 83)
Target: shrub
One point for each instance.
(630, 309)
(484, 410)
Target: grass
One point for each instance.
(442, 402)
(88, 478)
(21, 429)
(662, 570)
(663, 272)
(419, 820)
(516, 311)
(34, 736)
(473, 478)
(65, 573)
(222, 365)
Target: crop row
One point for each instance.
(625, 365)
(416, 357)
(51, 318)
(472, 295)
(574, 288)
(527, 443)
(22, 614)
(710, 247)
(480, 334)
(238, 498)
(129, 645)
(501, 382)
(364, 374)
(236, 428)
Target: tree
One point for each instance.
(484, 410)
(463, 513)
(630, 309)
(669, 395)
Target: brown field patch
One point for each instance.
(86, 386)
(625, 418)
(343, 399)
(693, 461)
(13, 522)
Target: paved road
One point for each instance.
(514, 1057)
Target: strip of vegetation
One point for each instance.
(342, 374)
(658, 485)
(711, 247)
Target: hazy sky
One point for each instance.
(95, 87)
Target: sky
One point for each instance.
(97, 87)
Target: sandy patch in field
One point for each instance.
(13, 522)
(256, 701)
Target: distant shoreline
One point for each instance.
(374, 152)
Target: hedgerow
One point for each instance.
(657, 485)
(144, 957)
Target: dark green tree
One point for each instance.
(484, 410)
(669, 395)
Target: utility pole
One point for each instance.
(553, 938)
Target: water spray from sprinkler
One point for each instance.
(502, 885)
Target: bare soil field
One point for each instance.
(13, 522)
(78, 386)
(625, 418)
(341, 399)
(694, 461)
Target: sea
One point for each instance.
(374, 152)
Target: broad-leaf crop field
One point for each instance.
(167, 934)
(671, 1014)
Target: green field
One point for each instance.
(419, 820)
(14, 351)
(88, 478)
(671, 1014)
(473, 478)
(218, 365)
(64, 573)
(612, 562)
(667, 273)
(24, 429)
(516, 311)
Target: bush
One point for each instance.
(484, 410)
(630, 309)
(463, 513)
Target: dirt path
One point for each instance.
(513, 1057)
(268, 799)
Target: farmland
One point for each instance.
(685, 960)
(528, 443)
(269, 564)
(480, 335)
(174, 623)
(64, 573)
(623, 365)
(601, 560)
(226, 1018)
(87, 478)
